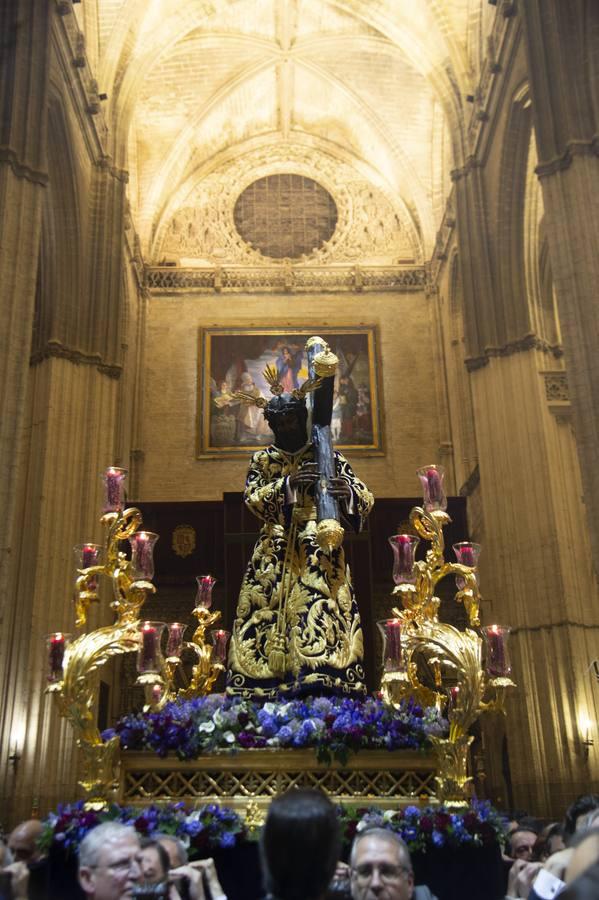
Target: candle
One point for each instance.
(149, 655)
(219, 650)
(149, 646)
(89, 555)
(453, 698)
(156, 693)
(391, 634)
(498, 662)
(142, 553)
(114, 484)
(204, 594)
(175, 640)
(467, 554)
(393, 643)
(431, 478)
(56, 650)
(86, 556)
(404, 550)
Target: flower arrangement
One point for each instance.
(211, 827)
(333, 726)
(424, 829)
(204, 829)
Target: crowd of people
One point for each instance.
(300, 851)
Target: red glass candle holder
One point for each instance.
(404, 548)
(114, 489)
(498, 664)
(466, 553)
(204, 592)
(219, 638)
(391, 636)
(453, 698)
(142, 554)
(433, 492)
(174, 641)
(56, 645)
(86, 556)
(149, 654)
(156, 694)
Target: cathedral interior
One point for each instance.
(419, 179)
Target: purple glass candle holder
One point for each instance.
(149, 654)
(56, 645)
(219, 638)
(204, 592)
(114, 489)
(467, 554)
(86, 556)
(433, 492)
(404, 548)
(392, 654)
(498, 658)
(174, 641)
(142, 554)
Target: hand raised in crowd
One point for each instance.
(558, 862)
(200, 874)
(521, 877)
(19, 879)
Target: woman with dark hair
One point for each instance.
(300, 846)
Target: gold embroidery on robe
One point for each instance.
(320, 620)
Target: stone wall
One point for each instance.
(408, 353)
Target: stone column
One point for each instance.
(25, 28)
(562, 45)
(535, 569)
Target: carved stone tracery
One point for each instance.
(371, 229)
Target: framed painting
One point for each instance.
(232, 359)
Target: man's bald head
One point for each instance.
(23, 841)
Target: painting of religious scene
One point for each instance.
(235, 359)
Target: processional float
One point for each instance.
(463, 672)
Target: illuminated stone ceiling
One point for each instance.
(366, 97)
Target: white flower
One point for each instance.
(207, 727)
(270, 708)
(218, 717)
(229, 737)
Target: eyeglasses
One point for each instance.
(121, 866)
(387, 872)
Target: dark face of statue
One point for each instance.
(287, 417)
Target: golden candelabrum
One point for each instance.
(434, 662)
(74, 665)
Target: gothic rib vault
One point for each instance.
(366, 98)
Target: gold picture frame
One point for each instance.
(233, 359)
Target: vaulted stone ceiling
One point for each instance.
(366, 97)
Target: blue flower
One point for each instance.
(227, 839)
(285, 735)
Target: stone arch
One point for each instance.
(539, 277)
(512, 315)
(58, 295)
(464, 438)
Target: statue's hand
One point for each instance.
(307, 476)
(339, 488)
